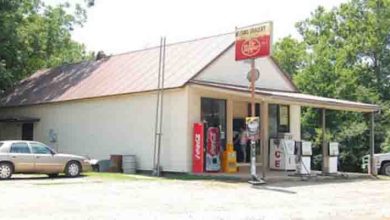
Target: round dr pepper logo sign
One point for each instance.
(250, 47)
(253, 42)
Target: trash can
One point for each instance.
(129, 164)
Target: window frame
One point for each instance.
(28, 147)
(283, 128)
(51, 152)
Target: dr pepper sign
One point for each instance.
(253, 41)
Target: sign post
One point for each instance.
(253, 42)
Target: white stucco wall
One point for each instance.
(125, 125)
(113, 125)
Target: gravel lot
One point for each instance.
(150, 198)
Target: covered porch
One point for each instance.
(270, 103)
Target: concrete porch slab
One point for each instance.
(273, 176)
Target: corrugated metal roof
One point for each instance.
(299, 98)
(119, 74)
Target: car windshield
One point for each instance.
(1, 144)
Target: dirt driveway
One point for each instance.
(149, 198)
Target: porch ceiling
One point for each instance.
(293, 98)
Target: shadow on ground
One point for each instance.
(24, 177)
(292, 181)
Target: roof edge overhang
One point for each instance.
(19, 119)
(283, 97)
(89, 98)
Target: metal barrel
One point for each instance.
(129, 164)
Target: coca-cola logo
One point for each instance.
(197, 146)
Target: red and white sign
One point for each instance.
(213, 149)
(254, 41)
(213, 141)
(198, 152)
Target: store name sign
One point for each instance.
(253, 41)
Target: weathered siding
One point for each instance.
(114, 125)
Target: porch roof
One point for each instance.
(296, 98)
(18, 119)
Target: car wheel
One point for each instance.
(73, 169)
(53, 175)
(6, 170)
(385, 170)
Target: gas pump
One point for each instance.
(303, 151)
(282, 154)
(333, 152)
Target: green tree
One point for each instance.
(35, 36)
(346, 56)
(290, 54)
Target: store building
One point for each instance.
(107, 106)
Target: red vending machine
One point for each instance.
(198, 148)
(213, 149)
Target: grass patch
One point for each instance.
(63, 183)
(199, 177)
(117, 176)
(165, 177)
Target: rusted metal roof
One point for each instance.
(119, 74)
(297, 98)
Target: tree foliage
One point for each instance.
(344, 53)
(290, 54)
(35, 36)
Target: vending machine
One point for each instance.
(213, 149)
(282, 154)
(198, 148)
(303, 150)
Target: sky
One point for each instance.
(117, 26)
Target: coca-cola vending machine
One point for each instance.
(198, 149)
(206, 158)
(213, 149)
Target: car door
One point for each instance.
(21, 157)
(45, 160)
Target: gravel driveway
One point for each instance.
(95, 198)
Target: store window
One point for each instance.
(284, 119)
(279, 119)
(213, 114)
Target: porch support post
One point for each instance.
(372, 170)
(229, 122)
(324, 144)
(264, 136)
